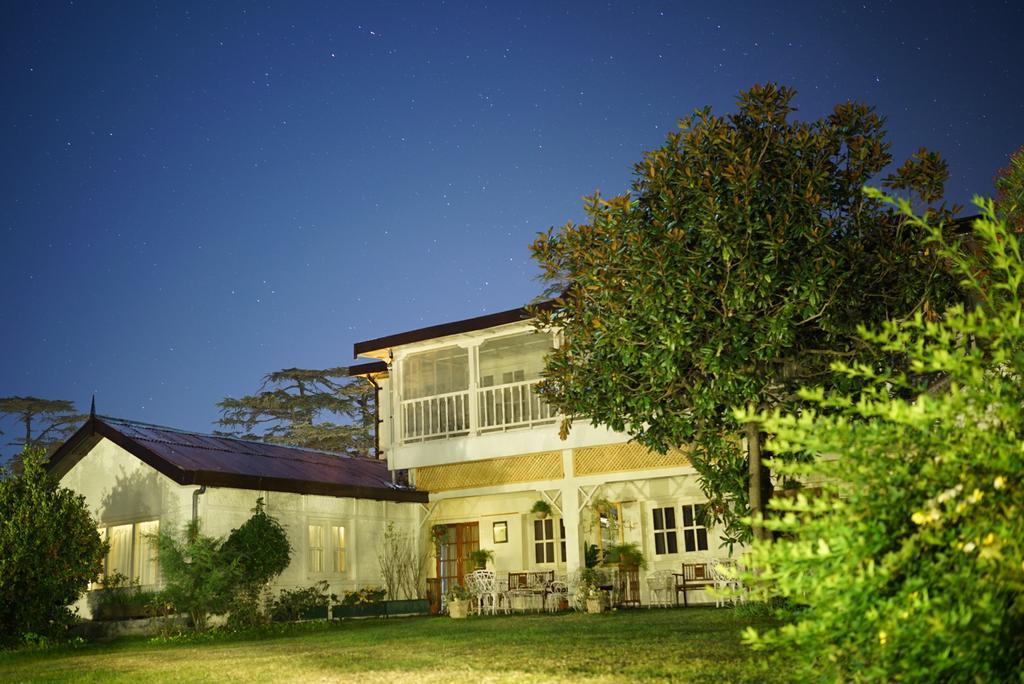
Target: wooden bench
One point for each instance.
(694, 576)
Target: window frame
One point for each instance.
(695, 528)
(669, 535)
(133, 555)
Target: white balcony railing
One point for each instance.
(510, 406)
(436, 417)
(500, 407)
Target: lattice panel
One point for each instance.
(613, 458)
(498, 471)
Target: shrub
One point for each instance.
(49, 552)
(259, 551)
(199, 582)
(363, 596)
(909, 564)
(291, 604)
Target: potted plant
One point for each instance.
(541, 508)
(457, 599)
(626, 556)
(480, 557)
(589, 590)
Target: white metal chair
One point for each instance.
(484, 586)
(558, 592)
(725, 574)
(661, 583)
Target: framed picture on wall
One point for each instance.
(500, 532)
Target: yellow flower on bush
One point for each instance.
(883, 638)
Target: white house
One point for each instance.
(459, 414)
(139, 478)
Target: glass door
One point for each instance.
(454, 547)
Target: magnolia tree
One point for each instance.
(737, 268)
(909, 566)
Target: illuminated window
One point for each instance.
(326, 548)
(338, 540)
(132, 551)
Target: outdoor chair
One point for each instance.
(627, 587)
(695, 576)
(558, 593)
(725, 574)
(484, 587)
(660, 584)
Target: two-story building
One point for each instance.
(459, 413)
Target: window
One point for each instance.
(544, 540)
(665, 538)
(513, 358)
(326, 549)
(608, 517)
(695, 535)
(435, 372)
(316, 548)
(338, 539)
(561, 535)
(144, 557)
(132, 551)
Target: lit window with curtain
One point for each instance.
(316, 548)
(338, 547)
(145, 560)
(119, 558)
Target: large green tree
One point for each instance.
(737, 269)
(909, 565)
(49, 551)
(318, 409)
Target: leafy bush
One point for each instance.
(259, 551)
(291, 604)
(910, 562)
(363, 596)
(207, 576)
(49, 552)
(199, 582)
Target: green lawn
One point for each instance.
(696, 644)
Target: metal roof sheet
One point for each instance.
(196, 458)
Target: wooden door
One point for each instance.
(459, 540)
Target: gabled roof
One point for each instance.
(445, 329)
(191, 458)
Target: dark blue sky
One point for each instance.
(193, 196)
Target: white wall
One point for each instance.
(119, 489)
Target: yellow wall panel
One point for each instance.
(614, 458)
(498, 471)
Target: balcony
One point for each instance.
(488, 409)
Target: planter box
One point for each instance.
(407, 607)
(358, 610)
(315, 613)
(595, 605)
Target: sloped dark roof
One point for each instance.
(192, 458)
(445, 329)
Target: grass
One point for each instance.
(696, 644)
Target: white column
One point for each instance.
(571, 515)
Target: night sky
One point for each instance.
(193, 196)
